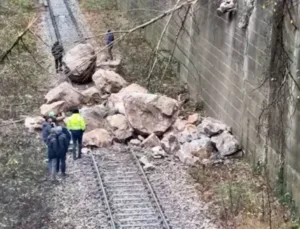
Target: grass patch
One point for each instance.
(242, 199)
(22, 155)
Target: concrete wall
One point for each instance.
(223, 65)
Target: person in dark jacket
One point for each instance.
(46, 127)
(52, 144)
(62, 150)
(109, 42)
(57, 52)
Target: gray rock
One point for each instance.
(226, 143)
(189, 134)
(151, 141)
(210, 126)
(201, 148)
(170, 144)
(158, 152)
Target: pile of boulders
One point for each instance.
(129, 114)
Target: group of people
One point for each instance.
(58, 137)
(58, 50)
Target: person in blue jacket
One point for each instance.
(109, 42)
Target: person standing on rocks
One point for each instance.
(76, 125)
(57, 52)
(52, 152)
(62, 150)
(109, 42)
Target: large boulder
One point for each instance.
(91, 95)
(149, 113)
(115, 101)
(107, 81)
(56, 107)
(94, 116)
(120, 126)
(226, 144)
(80, 63)
(98, 137)
(64, 92)
(210, 126)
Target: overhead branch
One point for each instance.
(17, 40)
(159, 42)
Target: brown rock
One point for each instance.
(179, 124)
(64, 92)
(80, 63)
(91, 95)
(97, 137)
(115, 101)
(151, 141)
(56, 107)
(193, 119)
(149, 113)
(95, 117)
(120, 126)
(108, 81)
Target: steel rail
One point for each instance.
(80, 34)
(52, 16)
(152, 191)
(104, 192)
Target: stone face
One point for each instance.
(56, 107)
(64, 92)
(116, 100)
(170, 144)
(189, 134)
(91, 95)
(34, 123)
(149, 113)
(97, 137)
(226, 143)
(107, 81)
(80, 63)
(94, 116)
(210, 127)
(120, 126)
(151, 141)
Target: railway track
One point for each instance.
(62, 8)
(126, 193)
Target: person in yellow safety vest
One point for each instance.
(76, 125)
